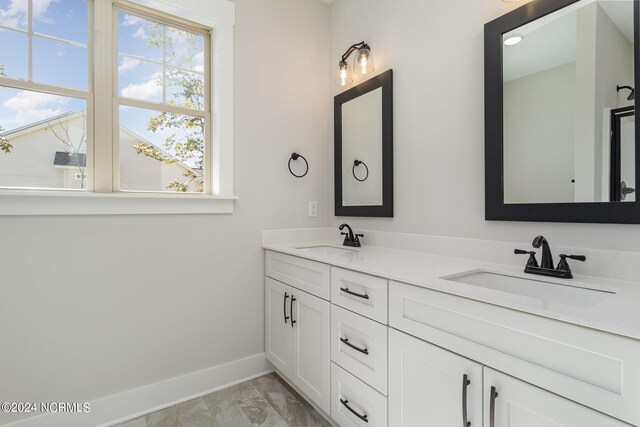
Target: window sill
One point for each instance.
(81, 203)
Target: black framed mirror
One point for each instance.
(363, 148)
(561, 115)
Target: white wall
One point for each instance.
(91, 306)
(602, 62)
(436, 50)
(362, 140)
(539, 114)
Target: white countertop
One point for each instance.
(619, 313)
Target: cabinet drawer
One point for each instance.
(306, 275)
(362, 293)
(353, 403)
(596, 369)
(359, 345)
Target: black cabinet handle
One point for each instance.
(286, 297)
(492, 407)
(465, 386)
(347, 291)
(346, 405)
(361, 350)
(293, 299)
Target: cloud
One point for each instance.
(140, 33)
(127, 64)
(30, 107)
(130, 20)
(198, 61)
(15, 14)
(145, 91)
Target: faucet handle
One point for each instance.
(563, 265)
(575, 257)
(532, 261)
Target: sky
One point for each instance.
(64, 64)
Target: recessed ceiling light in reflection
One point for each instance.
(513, 40)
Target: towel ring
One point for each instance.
(296, 156)
(353, 170)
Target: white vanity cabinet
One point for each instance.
(509, 402)
(383, 353)
(297, 326)
(429, 386)
(595, 369)
(359, 348)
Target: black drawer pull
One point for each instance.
(465, 386)
(361, 350)
(347, 291)
(286, 296)
(492, 407)
(293, 299)
(346, 405)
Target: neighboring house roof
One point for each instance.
(69, 159)
(71, 115)
(40, 124)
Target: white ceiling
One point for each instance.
(621, 13)
(543, 48)
(533, 54)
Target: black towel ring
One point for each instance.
(353, 170)
(296, 156)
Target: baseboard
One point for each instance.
(133, 403)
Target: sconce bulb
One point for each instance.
(343, 77)
(363, 63)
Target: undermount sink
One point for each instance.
(544, 292)
(326, 250)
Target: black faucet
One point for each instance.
(563, 271)
(350, 239)
(547, 258)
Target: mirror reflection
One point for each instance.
(569, 119)
(362, 150)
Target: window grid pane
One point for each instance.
(44, 144)
(163, 111)
(45, 137)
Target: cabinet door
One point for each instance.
(311, 352)
(279, 335)
(519, 404)
(429, 386)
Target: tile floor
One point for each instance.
(266, 402)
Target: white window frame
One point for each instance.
(219, 17)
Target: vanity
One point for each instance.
(382, 337)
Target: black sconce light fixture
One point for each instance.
(362, 64)
(632, 95)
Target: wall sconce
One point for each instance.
(362, 64)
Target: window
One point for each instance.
(44, 94)
(68, 123)
(163, 105)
